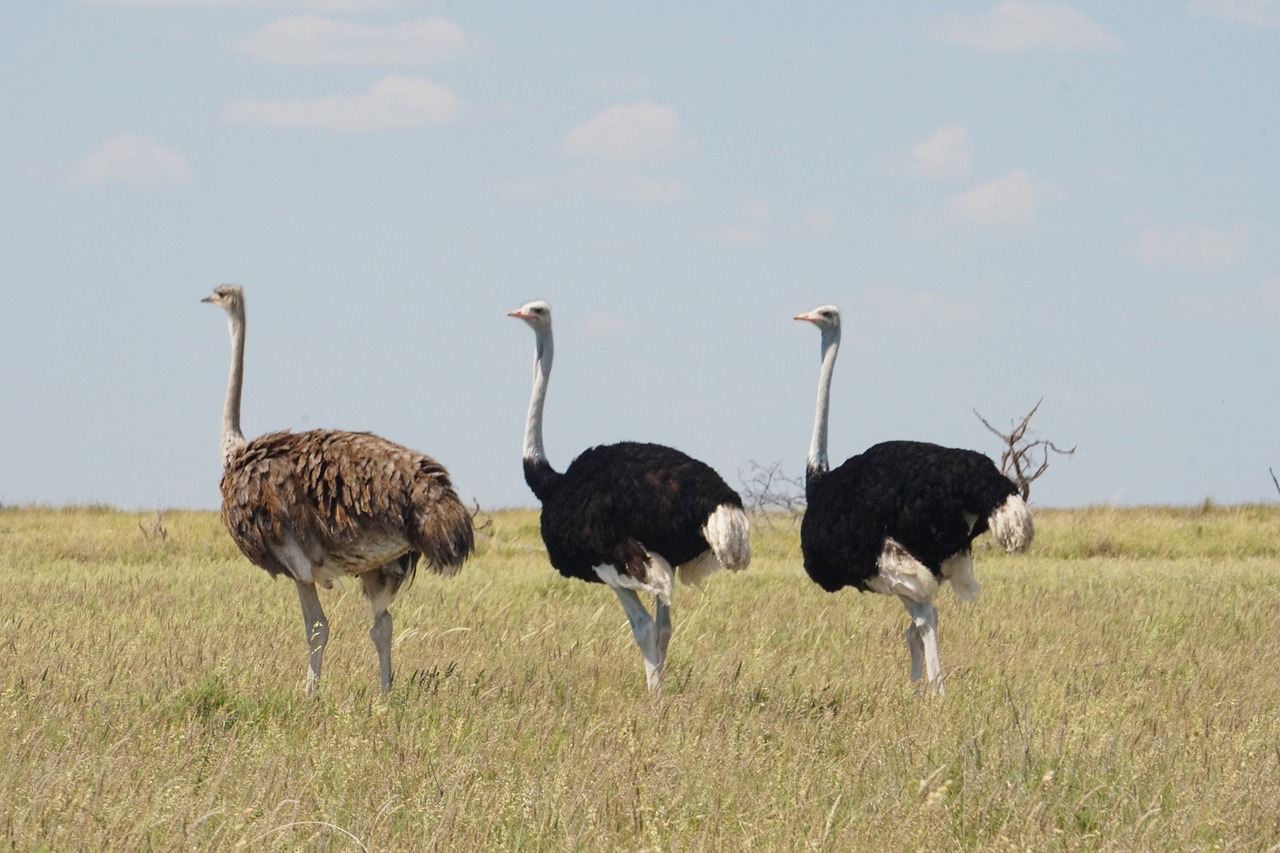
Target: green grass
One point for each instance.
(1115, 689)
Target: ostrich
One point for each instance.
(901, 517)
(630, 515)
(318, 505)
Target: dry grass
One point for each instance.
(1115, 689)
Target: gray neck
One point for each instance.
(818, 444)
(543, 353)
(232, 438)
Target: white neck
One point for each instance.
(544, 351)
(232, 438)
(818, 444)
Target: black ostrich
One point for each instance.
(901, 517)
(631, 515)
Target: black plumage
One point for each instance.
(900, 518)
(634, 516)
(617, 502)
(932, 500)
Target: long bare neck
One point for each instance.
(544, 351)
(232, 438)
(817, 464)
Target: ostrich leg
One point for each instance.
(924, 617)
(646, 632)
(317, 628)
(379, 590)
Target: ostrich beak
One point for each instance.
(518, 313)
(210, 299)
(805, 316)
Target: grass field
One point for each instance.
(1116, 688)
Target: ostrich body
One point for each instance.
(319, 505)
(631, 515)
(901, 517)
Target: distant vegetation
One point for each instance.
(1114, 689)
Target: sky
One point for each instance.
(1011, 202)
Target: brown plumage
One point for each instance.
(352, 501)
(318, 505)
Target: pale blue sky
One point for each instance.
(1008, 200)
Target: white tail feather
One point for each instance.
(1012, 526)
(728, 532)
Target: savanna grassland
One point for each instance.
(1117, 688)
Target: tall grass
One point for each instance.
(1114, 689)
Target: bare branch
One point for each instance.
(1018, 461)
(156, 532)
(766, 490)
(475, 514)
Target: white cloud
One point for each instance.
(1012, 201)
(1191, 247)
(629, 132)
(130, 159)
(945, 154)
(1253, 13)
(1016, 25)
(394, 101)
(311, 40)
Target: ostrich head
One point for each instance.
(825, 317)
(536, 313)
(228, 297)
